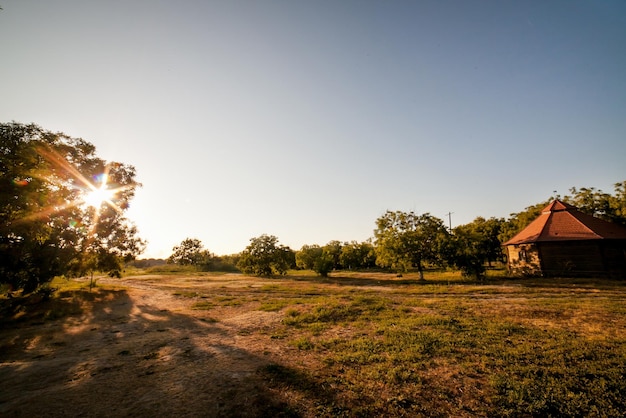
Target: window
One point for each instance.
(523, 255)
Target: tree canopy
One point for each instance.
(472, 245)
(357, 255)
(48, 225)
(188, 252)
(316, 258)
(603, 205)
(406, 240)
(264, 256)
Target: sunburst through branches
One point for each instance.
(100, 195)
(95, 194)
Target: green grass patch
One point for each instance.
(429, 350)
(274, 305)
(561, 376)
(203, 305)
(171, 269)
(229, 300)
(303, 343)
(186, 294)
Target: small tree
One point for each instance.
(357, 255)
(485, 234)
(189, 252)
(465, 251)
(316, 258)
(306, 257)
(332, 251)
(264, 257)
(324, 264)
(222, 263)
(406, 240)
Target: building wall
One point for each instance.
(592, 258)
(572, 258)
(523, 260)
(614, 254)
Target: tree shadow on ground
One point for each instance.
(560, 282)
(388, 280)
(391, 280)
(107, 354)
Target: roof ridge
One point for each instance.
(557, 206)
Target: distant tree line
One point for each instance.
(191, 252)
(50, 227)
(402, 242)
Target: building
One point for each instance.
(563, 241)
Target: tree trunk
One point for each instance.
(421, 271)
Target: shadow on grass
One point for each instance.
(38, 307)
(560, 282)
(382, 280)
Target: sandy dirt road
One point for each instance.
(140, 350)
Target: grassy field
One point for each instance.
(379, 345)
(441, 350)
(372, 344)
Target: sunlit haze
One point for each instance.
(308, 120)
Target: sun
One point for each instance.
(97, 196)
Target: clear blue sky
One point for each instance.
(309, 119)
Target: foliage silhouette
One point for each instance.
(46, 228)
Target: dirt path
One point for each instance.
(137, 351)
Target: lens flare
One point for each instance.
(21, 182)
(97, 196)
(93, 193)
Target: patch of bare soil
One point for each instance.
(140, 351)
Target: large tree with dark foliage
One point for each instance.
(48, 224)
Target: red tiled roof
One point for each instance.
(560, 221)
